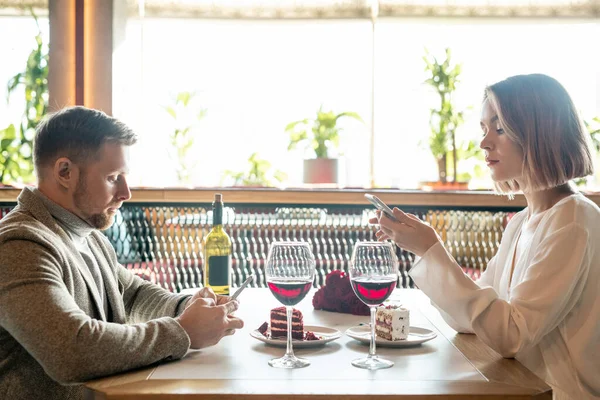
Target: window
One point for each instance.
(254, 76)
(23, 83)
(490, 50)
(18, 33)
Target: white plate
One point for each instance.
(327, 335)
(416, 336)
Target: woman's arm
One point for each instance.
(486, 279)
(549, 290)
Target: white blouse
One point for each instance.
(548, 317)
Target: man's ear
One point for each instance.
(65, 173)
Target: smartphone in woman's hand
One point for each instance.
(381, 206)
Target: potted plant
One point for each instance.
(16, 140)
(445, 119)
(259, 174)
(594, 128)
(319, 134)
(185, 123)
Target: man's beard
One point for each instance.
(81, 198)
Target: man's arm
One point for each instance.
(38, 310)
(143, 300)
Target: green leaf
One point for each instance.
(12, 84)
(171, 111)
(17, 140)
(350, 114)
(258, 173)
(443, 78)
(8, 133)
(292, 125)
(184, 97)
(324, 131)
(280, 176)
(183, 135)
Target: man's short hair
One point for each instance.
(537, 113)
(77, 133)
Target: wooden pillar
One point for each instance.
(97, 56)
(80, 66)
(61, 65)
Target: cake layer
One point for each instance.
(279, 323)
(280, 313)
(275, 331)
(277, 317)
(392, 322)
(283, 324)
(282, 333)
(383, 333)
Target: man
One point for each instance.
(68, 311)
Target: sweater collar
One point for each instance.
(66, 218)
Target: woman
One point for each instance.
(539, 297)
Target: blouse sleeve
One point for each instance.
(486, 279)
(451, 322)
(534, 308)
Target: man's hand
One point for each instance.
(410, 233)
(206, 323)
(207, 293)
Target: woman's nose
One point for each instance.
(486, 143)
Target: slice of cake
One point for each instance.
(392, 322)
(279, 324)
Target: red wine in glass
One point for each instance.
(372, 290)
(373, 273)
(289, 271)
(289, 293)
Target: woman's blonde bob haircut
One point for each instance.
(537, 113)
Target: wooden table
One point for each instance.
(455, 366)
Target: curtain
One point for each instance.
(490, 8)
(22, 7)
(253, 9)
(316, 9)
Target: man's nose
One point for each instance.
(124, 193)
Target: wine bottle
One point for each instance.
(217, 252)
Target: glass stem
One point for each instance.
(372, 347)
(289, 352)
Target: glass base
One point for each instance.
(289, 362)
(372, 363)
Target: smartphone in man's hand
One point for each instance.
(241, 288)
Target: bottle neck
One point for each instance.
(217, 214)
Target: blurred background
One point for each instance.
(252, 93)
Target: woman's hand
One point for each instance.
(410, 233)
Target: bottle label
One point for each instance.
(218, 270)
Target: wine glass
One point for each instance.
(290, 272)
(373, 274)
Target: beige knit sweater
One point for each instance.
(53, 333)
